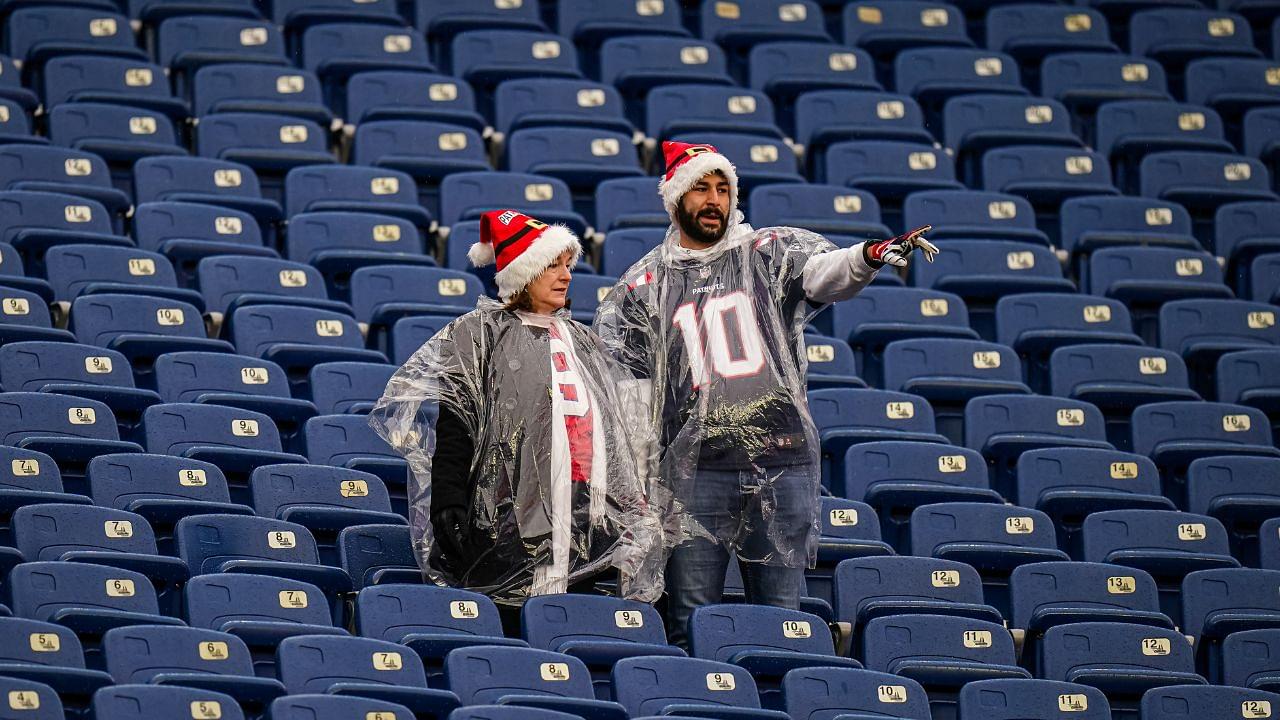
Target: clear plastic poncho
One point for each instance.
(718, 337)
(554, 495)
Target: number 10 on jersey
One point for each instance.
(707, 339)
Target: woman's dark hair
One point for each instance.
(521, 301)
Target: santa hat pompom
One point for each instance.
(481, 254)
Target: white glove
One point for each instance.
(897, 252)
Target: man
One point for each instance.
(711, 322)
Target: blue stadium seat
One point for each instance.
(590, 23)
(1129, 130)
(819, 692)
(845, 417)
(153, 12)
(15, 125)
(622, 248)
(825, 117)
(337, 51)
(140, 702)
(325, 500)
(297, 338)
(348, 387)
(336, 707)
(985, 271)
(348, 441)
(35, 34)
(32, 478)
(442, 21)
(1260, 133)
(398, 95)
(1217, 603)
(160, 488)
(345, 188)
(977, 123)
(584, 296)
(1203, 330)
(933, 75)
(119, 135)
(259, 88)
(1002, 427)
(876, 587)
(1047, 176)
(487, 57)
(1031, 32)
(1249, 659)
(1166, 544)
(259, 546)
(410, 333)
(940, 652)
(269, 144)
(948, 372)
(1248, 377)
(580, 157)
(890, 170)
(563, 102)
(885, 29)
(1051, 594)
(1121, 659)
(426, 151)
(648, 686)
(599, 631)
(234, 439)
(766, 641)
(13, 272)
(1202, 182)
(88, 599)
(1231, 86)
(1174, 434)
(1034, 699)
(188, 42)
(630, 202)
(49, 169)
(739, 25)
(26, 316)
(465, 196)
(992, 538)
(50, 654)
(1187, 700)
(71, 430)
(1082, 81)
(1097, 222)
(208, 182)
(31, 700)
(229, 282)
(971, 214)
(758, 160)
(113, 81)
(189, 657)
(878, 316)
(1175, 36)
(339, 243)
(261, 610)
(842, 215)
(785, 70)
(378, 555)
(11, 87)
(523, 676)
(294, 15)
(848, 529)
(634, 65)
(141, 328)
(830, 363)
(382, 294)
(91, 269)
(895, 477)
(1263, 278)
(1069, 483)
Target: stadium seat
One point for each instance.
(875, 587)
(271, 145)
(589, 23)
(562, 102)
(1260, 133)
(442, 21)
(482, 675)
(91, 269)
(934, 75)
(1203, 330)
(842, 215)
(1129, 130)
(1068, 484)
(208, 182)
(631, 202)
(737, 26)
(78, 370)
(580, 157)
(119, 135)
(830, 363)
(465, 196)
(972, 215)
(1047, 176)
(15, 125)
(976, 123)
(426, 151)
(348, 441)
(845, 417)
(648, 686)
(1002, 427)
(584, 297)
(1202, 182)
(32, 478)
(1118, 379)
(140, 702)
(32, 700)
(895, 477)
(1097, 222)
(1083, 81)
(348, 387)
(294, 15)
(33, 35)
(885, 29)
(228, 283)
(140, 327)
(335, 707)
(878, 316)
(1121, 659)
(1232, 86)
(338, 243)
(398, 95)
(768, 642)
(982, 272)
(1166, 702)
(1052, 594)
(297, 338)
(188, 657)
(673, 110)
(50, 654)
(1166, 544)
(890, 171)
(1022, 699)
(487, 57)
(1249, 659)
(410, 333)
(1031, 32)
(623, 248)
(152, 12)
(1248, 377)
(378, 555)
(188, 232)
(848, 529)
(13, 272)
(259, 88)
(1264, 285)
(1173, 434)
(599, 631)
(160, 488)
(11, 87)
(1175, 36)
(71, 430)
(382, 294)
(825, 117)
(26, 316)
(336, 51)
(352, 189)
(49, 169)
(186, 43)
(785, 70)
(1218, 603)
(948, 372)
(993, 539)
(818, 692)
(942, 653)
(637, 64)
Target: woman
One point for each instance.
(524, 475)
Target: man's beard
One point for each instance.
(695, 231)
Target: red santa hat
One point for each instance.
(686, 164)
(522, 247)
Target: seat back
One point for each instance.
(889, 642)
(1181, 173)
(958, 360)
(1093, 77)
(820, 693)
(871, 465)
(527, 102)
(224, 278)
(1089, 368)
(315, 188)
(919, 71)
(550, 621)
(254, 329)
(847, 520)
(646, 685)
(896, 307)
(24, 210)
(584, 20)
(870, 409)
(162, 178)
(941, 528)
(535, 150)
(1120, 533)
(313, 233)
(313, 663)
(338, 439)
(1204, 701)
(390, 612)
(623, 248)
(28, 470)
(34, 700)
(156, 223)
(138, 653)
(1026, 170)
(1021, 317)
(49, 165)
(721, 632)
(629, 201)
(1046, 470)
(40, 590)
(1002, 259)
(420, 142)
(772, 65)
(854, 114)
(32, 31)
(189, 40)
(335, 707)
(886, 167)
(237, 85)
(1128, 219)
(98, 125)
(366, 550)
(183, 377)
(1134, 121)
(1213, 599)
(48, 530)
(442, 289)
(1156, 424)
(482, 56)
(364, 45)
(464, 196)
(1104, 646)
(30, 365)
(139, 702)
(1225, 80)
(1037, 589)
(1021, 699)
(1176, 32)
(752, 19)
(481, 675)
(989, 417)
(828, 356)
(234, 133)
(26, 415)
(585, 294)
(827, 209)
(863, 585)
(207, 541)
(342, 387)
(102, 319)
(674, 109)
(958, 213)
(1185, 324)
(72, 269)
(119, 479)
(1012, 115)
(1244, 370)
(81, 78)
(216, 600)
(391, 92)
(410, 333)
(176, 428)
(1249, 656)
(44, 644)
(901, 25)
(279, 488)
(634, 63)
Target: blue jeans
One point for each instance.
(729, 505)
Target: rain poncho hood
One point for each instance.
(555, 496)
